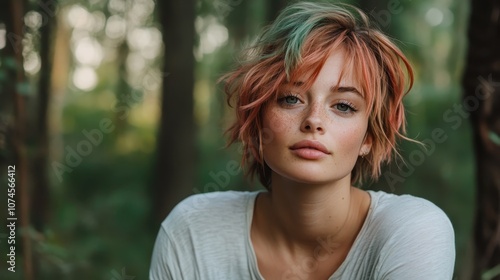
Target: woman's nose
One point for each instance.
(313, 121)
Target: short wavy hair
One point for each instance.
(299, 42)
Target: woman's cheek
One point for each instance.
(267, 135)
(276, 122)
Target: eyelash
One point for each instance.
(351, 107)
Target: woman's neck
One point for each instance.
(300, 217)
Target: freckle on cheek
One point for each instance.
(277, 123)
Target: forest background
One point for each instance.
(111, 113)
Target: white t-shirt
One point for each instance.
(207, 236)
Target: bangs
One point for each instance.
(360, 62)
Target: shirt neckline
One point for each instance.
(253, 257)
(250, 250)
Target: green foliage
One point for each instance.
(104, 205)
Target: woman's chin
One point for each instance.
(311, 178)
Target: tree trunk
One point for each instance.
(123, 92)
(40, 170)
(482, 99)
(175, 166)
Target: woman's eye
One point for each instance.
(291, 100)
(345, 107)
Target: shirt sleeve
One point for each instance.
(162, 253)
(421, 245)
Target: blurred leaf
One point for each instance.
(491, 274)
(3, 75)
(494, 137)
(24, 88)
(10, 63)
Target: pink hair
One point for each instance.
(298, 43)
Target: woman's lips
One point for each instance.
(309, 149)
(308, 153)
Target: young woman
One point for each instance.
(318, 110)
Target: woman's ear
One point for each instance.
(366, 146)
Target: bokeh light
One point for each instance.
(116, 27)
(212, 35)
(434, 16)
(85, 78)
(32, 63)
(78, 17)
(2, 36)
(33, 20)
(88, 51)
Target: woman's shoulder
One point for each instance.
(405, 209)
(215, 201)
(204, 209)
(405, 223)
(405, 232)
(205, 234)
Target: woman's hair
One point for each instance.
(298, 43)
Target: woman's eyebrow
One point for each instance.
(334, 89)
(298, 84)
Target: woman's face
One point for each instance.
(316, 136)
